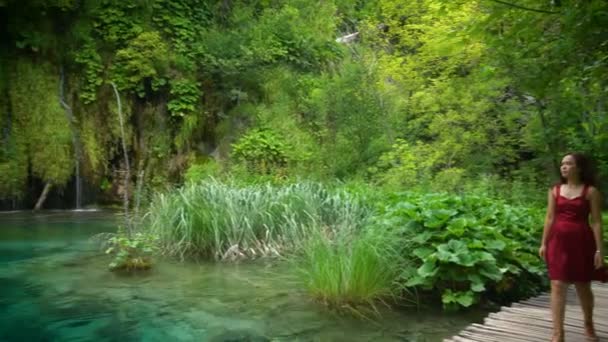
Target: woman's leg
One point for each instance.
(585, 297)
(558, 308)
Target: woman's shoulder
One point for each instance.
(553, 191)
(592, 190)
(555, 187)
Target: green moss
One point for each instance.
(13, 165)
(39, 123)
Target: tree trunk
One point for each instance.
(42, 198)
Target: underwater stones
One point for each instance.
(239, 336)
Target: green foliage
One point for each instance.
(406, 166)
(220, 221)
(185, 94)
(90, 60)
(556, 65)
(131, 253)
(116, 22)
(351, 270)
(275, 114)
(40, 126)
(346, 113)
(92, 140)
(296, 32)
(262, 151)
(13, 170)
(421, 167)
(443, 84)
(13, 157)
(519, 190)
(202, 171)
(182, 21)
(465, 246)
(13, 160)
(462, 96)
(144, 58)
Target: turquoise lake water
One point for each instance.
(55, 286)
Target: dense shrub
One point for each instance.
(465, 246)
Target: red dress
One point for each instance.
(571, 245)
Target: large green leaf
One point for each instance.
(423, 252)
(428, 269)
(495, 245)
(438, 217)
(463, 298)
(422, 238)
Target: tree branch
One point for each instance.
(524, 8)
(43, 195)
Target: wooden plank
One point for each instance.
(600, 324)
(576, 325)
(481, 337)
(463, 339)
(536, 330)
(530, 320)
(512, 331)
(533, 333)
(504, 336)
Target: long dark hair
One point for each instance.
(586, 168)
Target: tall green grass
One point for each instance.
(220, 220)
(353, 269)
(323, 232)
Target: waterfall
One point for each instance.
(127, 167)
(75, 138)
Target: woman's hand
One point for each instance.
(541, 251)
(598, 260)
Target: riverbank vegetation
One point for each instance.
(358, 247)
(388, 149)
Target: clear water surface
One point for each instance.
(55, 286)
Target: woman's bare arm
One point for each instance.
(549, 216)
(596, 218)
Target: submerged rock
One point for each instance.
(239, 336)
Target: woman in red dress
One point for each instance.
(573, 248)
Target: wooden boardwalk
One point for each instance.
(530, 320)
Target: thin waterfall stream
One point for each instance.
(75, 138)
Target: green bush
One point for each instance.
(261, 151)
(200, 171)
(131, 252)
(465, 246)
